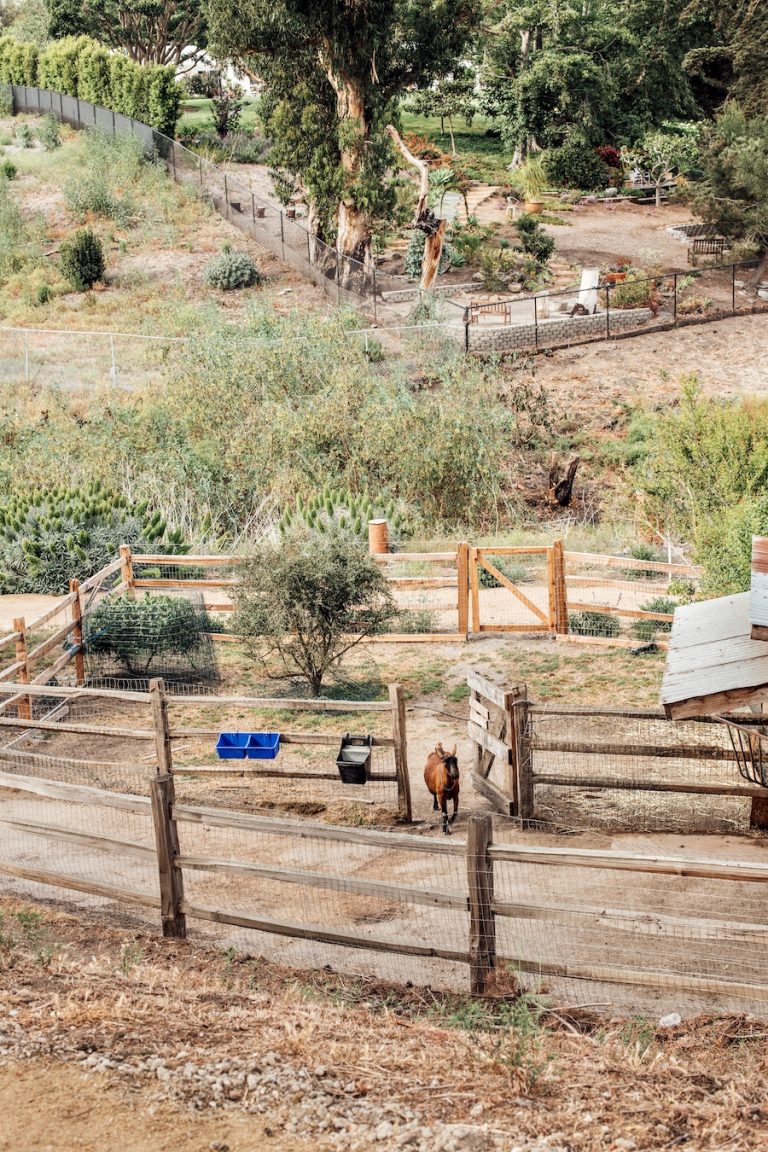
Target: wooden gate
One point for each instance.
(499, 604)
(499, 727)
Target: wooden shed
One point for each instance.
(718, 650)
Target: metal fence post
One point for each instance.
(375, 312)
(466, 330)
(114, 365)
(535, 323)
(282, 233)
(200, 169)
(26, 357)
(733, 288)
(674, 298)
(608, 311)
(226, 193)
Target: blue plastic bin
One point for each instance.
(263, 745)
(232, 745)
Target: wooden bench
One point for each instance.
(707, 246)
(501, 308)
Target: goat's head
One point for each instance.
(449, 760)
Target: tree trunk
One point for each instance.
(353, 237)
(425, 220)
(658, 193)
(453, 142)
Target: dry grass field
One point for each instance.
(108, 1034)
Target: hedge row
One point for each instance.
(79, 66)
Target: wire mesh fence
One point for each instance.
(616, 770)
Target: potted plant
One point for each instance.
(533, 181)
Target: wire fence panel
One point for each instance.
(611, 597)
(622, 772)
(632, 939)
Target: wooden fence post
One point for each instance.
(462, 573)
(166, 832)
(24, 708)
(77, 632)
(126, 570)
(558, 591)
(482, 925)
(397, 704)
(167, 844)
(521, 754)
(475, 587)
(159, 705)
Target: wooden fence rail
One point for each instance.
(478, 902)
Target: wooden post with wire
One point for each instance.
(475, 589)
(397, 703)
(126, 569)
(24, 708)
(166, 833)
(77, 632)
(482, 924)
(558, 596)
(462, 574)
(520, 745)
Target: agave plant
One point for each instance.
(339, 507)
(48, 535)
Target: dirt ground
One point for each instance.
(105, 1030)
(84, 1112)
(727, 358)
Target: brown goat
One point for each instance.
(441, 775)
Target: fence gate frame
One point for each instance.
(552, 619)
(499, 727)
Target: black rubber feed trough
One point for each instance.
(354, 759)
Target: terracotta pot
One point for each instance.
(534, 207)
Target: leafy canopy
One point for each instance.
(305, 602)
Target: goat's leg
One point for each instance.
(444, 807)
(455, 807)
(435, 805)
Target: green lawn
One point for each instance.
(482, 157)
(196, 112)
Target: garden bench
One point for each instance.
(707, 246)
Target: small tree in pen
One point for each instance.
(307, 601)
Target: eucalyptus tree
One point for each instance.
(333, 74)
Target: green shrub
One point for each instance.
(635, 292)
(79, 66)
(6, 101)
(82, 259)
(8, 169)
(576, 165)
(232, 270)
(24, 136)
(48, 535)
(49, 133)
(647, 629)
(111, 167)
(138, 632)
(18, 62)
(413, 621)
(303, 603)
(593, 624)
(534, 240)
(642, 551)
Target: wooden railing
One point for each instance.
(478, 898)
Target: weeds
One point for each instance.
(131, 956)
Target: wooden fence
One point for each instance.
(468, 593)
(512, 925)
(58, 720)
(524, 748)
